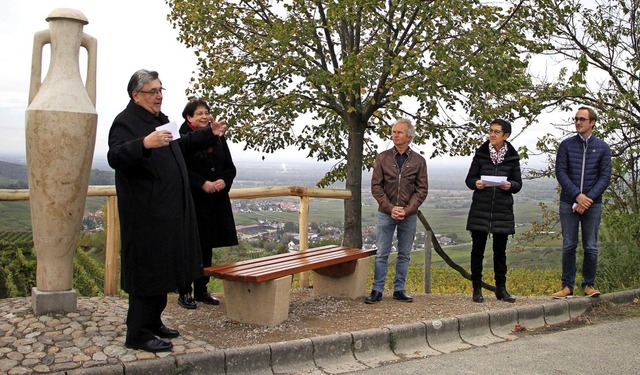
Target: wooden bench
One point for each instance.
(257, 290)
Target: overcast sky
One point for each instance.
(131, 35)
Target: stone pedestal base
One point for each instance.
(265, 303)
(53, 302)
(351, 286)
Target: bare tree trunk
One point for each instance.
(353, 206)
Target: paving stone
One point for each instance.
(91, 341)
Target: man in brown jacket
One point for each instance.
(400, 185)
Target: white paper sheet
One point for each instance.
(172, 127)
(494, 180)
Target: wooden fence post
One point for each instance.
(427, 262)
(303, 230)
(112, 247)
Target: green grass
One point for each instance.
(524, 281)
(445, 280)
(16, 215)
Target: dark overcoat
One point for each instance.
(215, 216)
(160, 249)
(492, 208)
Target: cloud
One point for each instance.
(131, 35)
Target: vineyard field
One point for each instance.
(18, 268)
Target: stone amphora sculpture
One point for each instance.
(61, 123)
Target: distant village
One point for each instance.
(272, 231)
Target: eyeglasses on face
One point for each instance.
(495, 131)
(154, 92)
(581, 119)
(200, 113)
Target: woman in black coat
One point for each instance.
(492, 205)
(160, 248)
(211, 174)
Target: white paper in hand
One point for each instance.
(494, 180)
(172, 127)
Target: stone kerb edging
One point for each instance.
(409, 341)
(374, 347)
(475, 329)
(502, 322)
(346, 352)
(290, 357)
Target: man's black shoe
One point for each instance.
(207, 299)
(166, 332)
(375, 297)
(400, 295)
(186, 301)
(153, 346)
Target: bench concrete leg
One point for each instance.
(352, 286)
(265, 303)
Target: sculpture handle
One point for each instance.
(39, 40)
(91, 45)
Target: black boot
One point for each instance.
(186, 301)
(477, 290)
(477, 295)
(502, 294)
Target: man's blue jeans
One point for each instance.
(406, 232)
(589, 222)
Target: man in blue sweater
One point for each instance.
(583, 169)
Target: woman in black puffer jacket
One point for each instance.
(491, 209)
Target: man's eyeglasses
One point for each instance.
(495, 131)
(580, 119)
(154, 92)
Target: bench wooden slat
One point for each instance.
(273, 259)
(291, 261)
(275, 266)
(302, 261)
(303, 264)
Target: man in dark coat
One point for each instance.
(160, 249)
(491, 209)
(211, 174)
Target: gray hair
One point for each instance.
(411, 130)
(139, 79)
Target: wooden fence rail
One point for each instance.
(112, 228)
